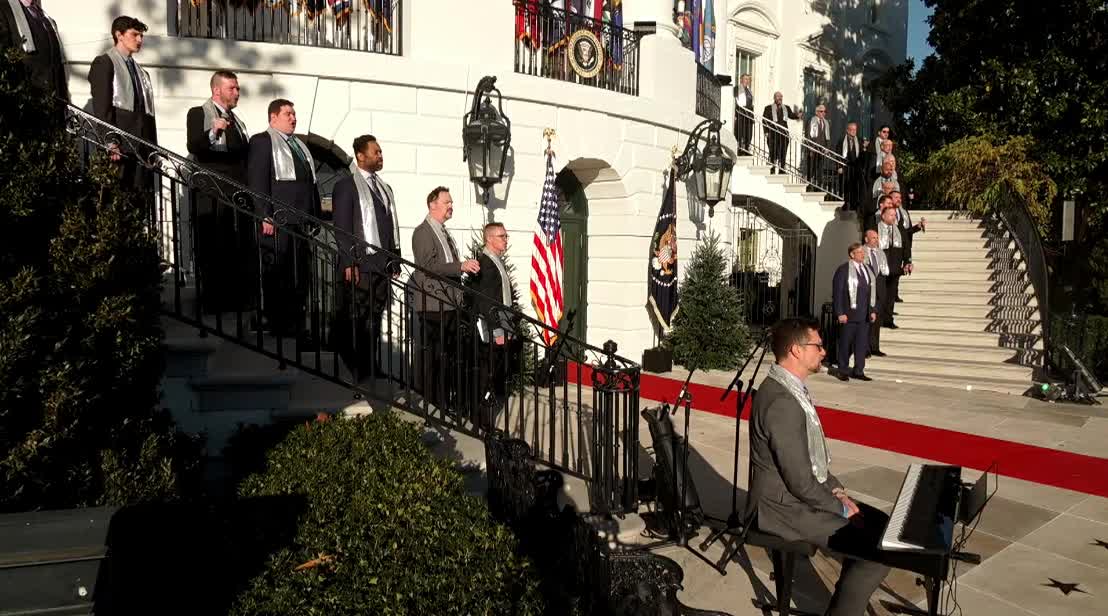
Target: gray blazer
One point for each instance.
(427, 252)
(784, 493)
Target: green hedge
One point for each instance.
(1087, 337)
(386, 529)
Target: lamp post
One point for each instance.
(711, 167)
(486, 136)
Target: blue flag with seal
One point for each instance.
(662, 285)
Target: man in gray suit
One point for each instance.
(436, 303)
(792, 493)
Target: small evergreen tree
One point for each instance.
(709, 331)
(80, 338)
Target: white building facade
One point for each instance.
(410, 82)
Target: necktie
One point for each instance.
(136, 86)
(450, 242)
(295, 147)
(384, 216)
(779, 113)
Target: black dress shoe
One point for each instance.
(899, 301)
(878, 354)
(892, 326)
(860, 377)
(841, 375)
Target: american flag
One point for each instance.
(547, 258)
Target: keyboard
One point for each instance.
(923, 515)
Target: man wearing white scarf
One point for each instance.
(793, 494)
(891, 241)
(875, 259)
(495, 328)
(24, 25)
(854, 289)
(280, 166)
(369, 244)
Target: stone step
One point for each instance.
(990, 340)
(924, 272)
(1015, 387)
(949, 352)
(814, 197)
(939, 286)
(781, 179)
(912, 295)
(927, 244)
(952, 233)
(964, 369)
(956, 326)
(979, 311)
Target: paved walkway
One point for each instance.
(1036, 540)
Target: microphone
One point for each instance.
(219, 131)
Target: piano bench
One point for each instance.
(783, 553)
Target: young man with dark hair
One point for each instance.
(25, 26)
(793, 494)
(122, 91)
(368, 242)
(280, 166)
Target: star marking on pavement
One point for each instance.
(1065, 587)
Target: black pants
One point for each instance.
(226, 257)
(438, 365)
(744, 130)
(357, 334)
(892, 291)
(853, 339)
(862, 571)
(778, 148)
(287, 281)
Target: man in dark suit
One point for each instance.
(891, 240)
(25, 26)
(854, 290)
(792, 492)
(369, 245)
(279, 166)
(875, 259)
(908, 230)
(776, 117)
(122, 91)
(819, 134)
(495, 330)
(744, 113)
(224, 240)
(853, 173)
(435, 303)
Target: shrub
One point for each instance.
(709, 331)
(386, 529)
(80, 337)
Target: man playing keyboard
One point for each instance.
(792, 493)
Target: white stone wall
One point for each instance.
(618, 145)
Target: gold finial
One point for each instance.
(549, 134)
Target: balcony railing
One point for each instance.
(707, 93)
(543, 48)
(793, 154)
(358, 25)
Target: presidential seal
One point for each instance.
(665, 251)
(586, 55)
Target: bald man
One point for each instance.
(775, 119)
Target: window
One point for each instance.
(748, 250)
(744, 65)
(814, 90)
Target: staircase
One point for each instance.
(969, 318)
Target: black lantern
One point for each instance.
(486, 136)
(711, 168)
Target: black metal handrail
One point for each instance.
(708, 93)
(801, 158)
(1018, 222)
(545, 402)
(360, 25)
(542, 48)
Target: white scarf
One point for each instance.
(22, 26)
(846, 145)
(877, 261)
(440, 234)
(883, 233)
(852, 283)
(213, 111)
(817, 444)
(123, 91)
(284, 165)
(369, 214)
(505, 285)
(820, 128)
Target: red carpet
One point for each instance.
(1043, 465)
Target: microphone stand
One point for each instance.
(734, 521)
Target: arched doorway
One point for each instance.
(774, 261)
(574, 208)
(332, 163)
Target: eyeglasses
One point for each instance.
(502, 235)
(815, 344)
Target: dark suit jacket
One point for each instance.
(429, 294)
(100, 77)
(489, 286)
(46, 64)
(347, 216)
(841, 295)
(786, 112)
(907, 236)
(231, 163)
(784, 493)
(301, 194)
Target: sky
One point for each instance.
(918, 30)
